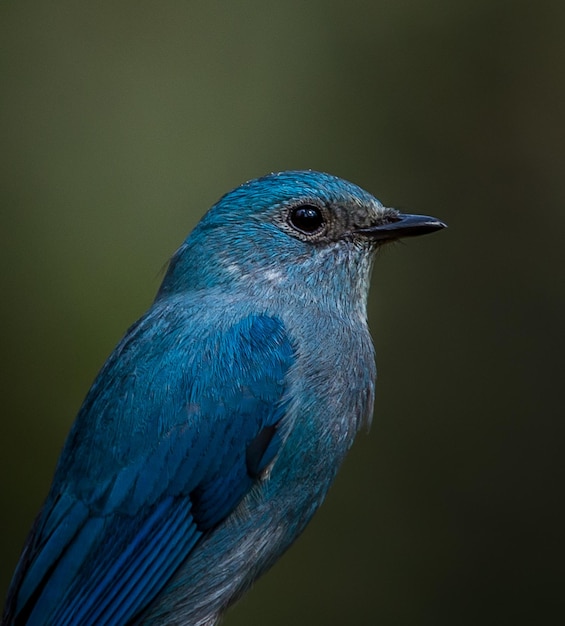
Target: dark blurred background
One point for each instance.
(122, 122)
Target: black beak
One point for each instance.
(402, 225)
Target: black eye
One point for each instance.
(306, 218)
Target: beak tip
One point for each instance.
(437, 224)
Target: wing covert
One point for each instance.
(173, 434)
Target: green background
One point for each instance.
(122, 122)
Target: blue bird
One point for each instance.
(214, 430)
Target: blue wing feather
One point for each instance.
(121, 580)
(159, 455)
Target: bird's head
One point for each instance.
(288, 230)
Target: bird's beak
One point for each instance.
(401, 225)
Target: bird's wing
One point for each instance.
(174, 432)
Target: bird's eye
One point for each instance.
(307, 219)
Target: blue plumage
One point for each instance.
(215, 428)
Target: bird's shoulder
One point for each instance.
(183, 376)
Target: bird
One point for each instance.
(215, 428)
